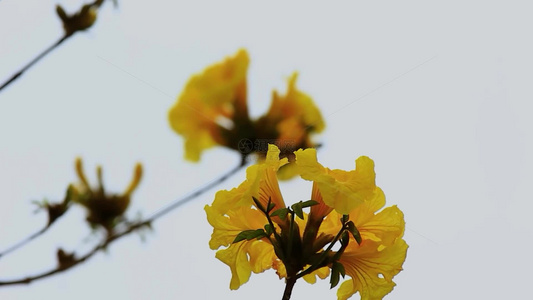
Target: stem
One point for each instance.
(59, 269)
(96, 3)
(24, 241)
(291, 234)
(165, 210)
(276, 236)
(289, 285)
(323, 256)
(55, 211)
(33, 61)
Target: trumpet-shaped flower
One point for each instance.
(209, 99)
(371, 264)
(234, 211)
(213, 110)
(258, 232)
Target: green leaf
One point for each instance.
(268, 229)
(345, 239)
(270, 206)
(340, 266)
(281, 213)
(258, 204)
(355, 232)
(337, 270)
(240, 237)
(309, 203)
(250, 235)
(334, 279)
(297, 208)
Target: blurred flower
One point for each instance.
(260, 233)
(209, 102)
(81, 20)
(56, 210)
(212, 110)
(291, 119)
(64, 259)
(103, 209)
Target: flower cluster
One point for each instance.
(212, 110)
(258, 231)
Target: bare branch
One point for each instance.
(131, 228)
(24, 241)
(95, 4)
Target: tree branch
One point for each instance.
(180, 202)
(24, 241)
(96, 4)
(36, 59)
(131, 228)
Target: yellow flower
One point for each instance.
(372, 264)
(212, 110)
(244, 257)
(292, 118)
(371, 269)
(383, 226)
(372, 255)
(233, 212)
(342, 190)
(210, 100)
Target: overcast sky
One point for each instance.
(437, 93)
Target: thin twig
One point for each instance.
(96, 4)
(77, 261)
(36, 59)
(24, 241)
(128, 230)
(163, 211)
(55, 212)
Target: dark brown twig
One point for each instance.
(66, 36)
(36, 59)
(24, 241)
(289, 285)
(131, 228)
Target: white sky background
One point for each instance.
(436, 93)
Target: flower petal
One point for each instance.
(342, 190)
(321, 273)
(371, 270)
(236, 258)
(228, 225)
(384, 226)
(262, 180)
